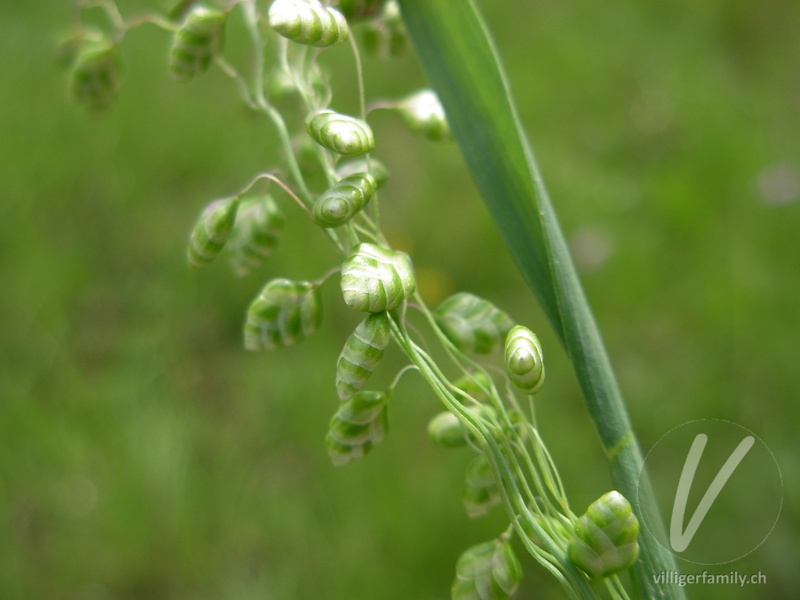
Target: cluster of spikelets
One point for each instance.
(375, 280)
(95, 64)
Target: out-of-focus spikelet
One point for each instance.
(283, 314)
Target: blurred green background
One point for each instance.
(145, 455)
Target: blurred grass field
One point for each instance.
(145, 455)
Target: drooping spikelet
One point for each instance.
(361, 354)
(96, 75)
(308, 22)
(472, 323)
(344, 200)
(283, 314)
(259, 224)
(375, 279)
(488, 571)
(342, 134)
(605, 538)
(211, 232)
(424, 114)
(359, 424)
(197, 42)
(480, 488)
(523, 356)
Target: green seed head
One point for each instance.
(361, 354)
(476, 386)
(197, 42)
(283, 314)
(604, 540)
(211, 232)
(308, 22)
(96, 75)
(375, 279)
(359, 424)
(344, 200)
(386, 37)
(424, 114)
(488, 571)
(471, 323)
(480, 488)
(523, 358)
(340, 133)
(446, 430)
(258, 227)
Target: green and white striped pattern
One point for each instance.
(359, 424)
(488, 571)
(375, 279)
(424, 114)
(344, 200)
(258, 228)
(373, 166)
(283, 314)
(480, 488)
(361, 354)
(197, 42)
(471, 323)
(342, 134)
(308, 22)
(604, 540)
(96, 75)
(524, 362)
(211, 231)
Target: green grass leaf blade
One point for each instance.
(463, 67)
(485, 126)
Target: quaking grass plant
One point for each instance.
(489, 411)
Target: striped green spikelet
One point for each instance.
(523, 357)
(197, 42)
(604, 540)
(446, 430)
(96, 75)
(480, 488)
(488, 571)
(344, 200)
(211, 231)
(386, 37)
(476, 386)
(423, 114)
(308, 22)
(471, 323)
(361, 354)
(283, 314)
(375, 279)
(359, 424)
(259, 224)
(373, 166)
(360, 9)
(342, 134)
